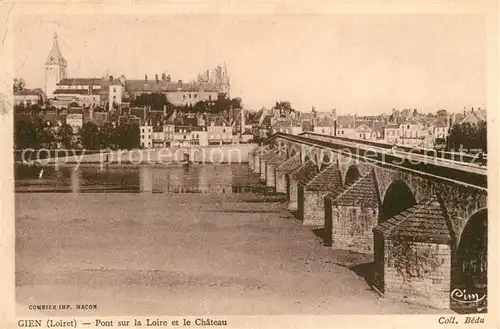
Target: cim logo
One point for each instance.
(462, 296)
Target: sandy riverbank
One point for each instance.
(182, 254)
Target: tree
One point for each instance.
(222, 104)
(25, 135)
(155, 101)
(455, 138)
(236, 103)
(19, 84)
(127, 136)
(106, 136)
(468, 137)
(89, 136)
(284, 108)
(442, 113)
(64, 135)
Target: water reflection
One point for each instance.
(141, 179)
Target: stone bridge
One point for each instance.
(423, 215)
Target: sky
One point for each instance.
(356, 63)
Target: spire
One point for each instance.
(55, 57)
(225, 77)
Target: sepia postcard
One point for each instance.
(249, 164)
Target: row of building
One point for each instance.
(110, 92)
(411, 128)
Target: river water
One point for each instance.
(207, 178)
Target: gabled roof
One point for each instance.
(55, 57)
(27, 92)
(472, 117)
(378, 127)
(346, 121)
(440, 122)
(305, 116)
(328, 179)
(325, 121)
(360, 193)
(392, 126)
(306, 172)
(423, 222)
(291, 164)
(164, 86)
(80, 82)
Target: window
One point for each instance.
(195, 96)
(183, 96)
(209, 97)
(114, 89)
(142, 130)
(184, 136)
(223, 130)
(408, 127)
(189, 95)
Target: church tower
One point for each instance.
(224, 86)
(55, 68)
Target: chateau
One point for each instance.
(109, 91)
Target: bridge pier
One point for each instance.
(251, 160)
(271, 171)
(380, 206)
(351, 215)
(413, 256)
(298, 178)
(329, 180)
(256, 158)
(283, 171)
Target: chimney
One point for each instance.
(156, 78)
(242, 129)
(145, 78)
(144, 114)
(164, 110)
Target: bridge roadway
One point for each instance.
(464, 172)
(468, 158)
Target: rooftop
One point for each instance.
(424, 222)
(328, 179)
(360, 193)
(305, 173)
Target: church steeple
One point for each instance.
(55, 68)
(55, 57)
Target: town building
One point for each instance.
(392, 133)
(324, 125)
(28, 97)
(219, 132)
(412, 134)
(146, 137)
(292, 127)
(346, 126)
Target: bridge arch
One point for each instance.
(472, 254)
(397, 198)
(352, 175)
